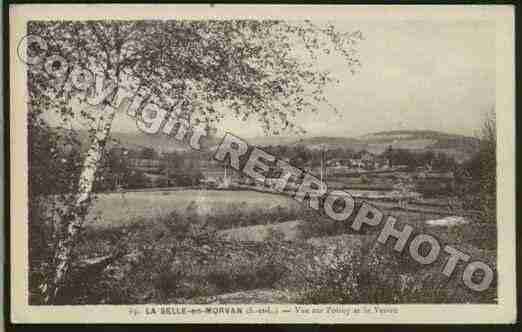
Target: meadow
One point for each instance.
(203, 246)
(120, 209)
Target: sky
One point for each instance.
(425, 75)
(414, 75)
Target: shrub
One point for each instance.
(332, 280)
(378, 275)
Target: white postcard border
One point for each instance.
(503, 312)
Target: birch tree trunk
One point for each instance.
(74, 216)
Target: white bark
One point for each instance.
(75, 214)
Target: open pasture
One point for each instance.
(119, 209)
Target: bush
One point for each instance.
(332, 280)
(174, 260)
(378, 275)
(137, 180)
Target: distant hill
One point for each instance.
(158, 142)
(139, 140)
(331, 143)
(458, 146)
(272, 140)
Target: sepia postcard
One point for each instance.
(262, 164)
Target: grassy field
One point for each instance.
(191, 246)
(119, 209)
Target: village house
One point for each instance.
(364, 160)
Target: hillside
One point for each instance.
(141, 140)
(158, 142)
(458, 146)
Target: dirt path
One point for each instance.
(250, 297)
